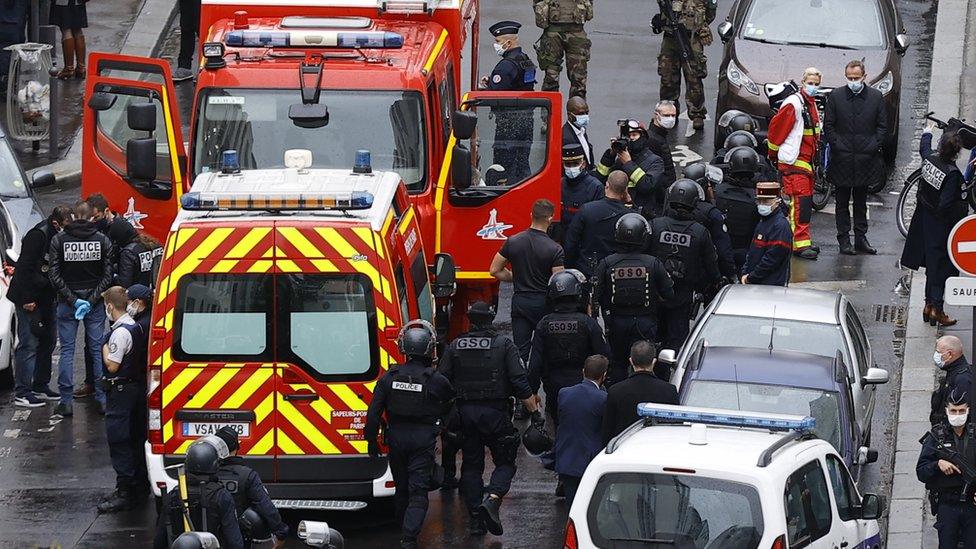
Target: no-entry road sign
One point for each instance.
(962, 245)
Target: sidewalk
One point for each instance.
(110, 26)
(953, 85)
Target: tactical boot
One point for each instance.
(862, 245)
(407, 543)
(489, 514)
(118, 502)
(476, 526)
(846, 247)
(698, 123)
(450, 480)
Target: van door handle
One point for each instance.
(302, 396)
(844, 544)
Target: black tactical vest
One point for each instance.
(200, 497)
(741, 217)
(631, 286)
(566, 338)
(409, 399)
(479, 373)
(675, 244)
(525, 81)
(934, 173)
(234, 479)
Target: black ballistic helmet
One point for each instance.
(568, 284)
(481, 312)
(196, 540)
(695, 172)
(253, 525)
(742, 122)
(742, 160)
(632, 229)
(202, 458)
(417, 338)
(536, 441)
(684, 193)
(740, 138)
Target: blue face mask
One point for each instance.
(764, 209)
(855, 85)
(582, 120)
(573, 172)
(811, 89)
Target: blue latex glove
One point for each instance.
(78, 303)
(82, 310)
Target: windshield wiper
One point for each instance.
(10, 196)
(649, 541)
(791, 43)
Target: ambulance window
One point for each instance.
(421, 286)
(401, 285)
(434, 114)
(223, 315)
(113, 132)
(319, 310)
(448, 102)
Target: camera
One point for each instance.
(619, 144)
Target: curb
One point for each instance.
(153, 14)
(908, 517)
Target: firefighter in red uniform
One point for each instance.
(793, 134)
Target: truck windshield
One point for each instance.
(390, 124)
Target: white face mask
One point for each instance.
(499, 49)
(668, 122)
(573, 172)
(131, 309)
(582, 120)
(855, 85)
(764, 209)
(937, 358)
(957, 420)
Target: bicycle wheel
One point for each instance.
(906, 202)
(821, 191)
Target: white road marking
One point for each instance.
(4, 451)
(46, 429)
(682, 155)
(11, 433)
(831, 285)
(21, 415)
(830, 209)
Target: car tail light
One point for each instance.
(570, 541)
(154, 399)
(780, 542)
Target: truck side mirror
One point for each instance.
(102, 101)
(42, 178)
(463, 124)
(871, 507)
(140, 159)
(445, 276)
(725, 31)
(141, 116)
(460, 167)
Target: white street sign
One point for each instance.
(960, 290)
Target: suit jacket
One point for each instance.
(855, 127)
(623, 398)
(578, 435)
(569, 136)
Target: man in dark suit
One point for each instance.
(580, 416)
(641, 386)
(574, 130)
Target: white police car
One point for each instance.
(745, 481)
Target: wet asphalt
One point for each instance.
(52, 474)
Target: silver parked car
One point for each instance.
(787, 319)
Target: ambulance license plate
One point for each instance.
(204, 429)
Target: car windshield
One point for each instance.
(853, 24)
(824, 406)
(389, 124)
(12, 184)
(653, 510)
(790, 335)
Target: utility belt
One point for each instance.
(119, 383)
(564, 27)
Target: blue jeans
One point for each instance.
(67, 332)
(32, 357)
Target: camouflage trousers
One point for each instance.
(670, 68)
(556, 42)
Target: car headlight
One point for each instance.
(885, 84)
(739, 78)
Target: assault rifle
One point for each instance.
(667, 19)
(967, 470)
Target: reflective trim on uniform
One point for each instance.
(603, 170)
(772, 146)
(636, 176)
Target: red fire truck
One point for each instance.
(338, 78)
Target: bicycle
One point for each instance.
(905, 207)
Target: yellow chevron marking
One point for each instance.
(224, 266)
(168, 320)
(168, 430)
(172, 389)
(263, 446)
(182, 236)
(186, 444)
(248, 388)
(166, 359)
(324, 265)
(348, 397)
(171, 244)
(200, 253)
(381, 320)
(305, 427)
(260, 266)
(300, 242)
(366, 235)
(269, 252)
(288, 266)
(210, 388)
(405, 222)
(247, 244)
(286, 445)
(387, 223)
(262, 410)
(347, 250)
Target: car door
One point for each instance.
(808, 509)
(861, 355)
(132, 144)
(852, 531)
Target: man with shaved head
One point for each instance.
(949, 358)
(590, 237)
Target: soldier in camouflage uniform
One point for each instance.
(695, 15)
(561, 22)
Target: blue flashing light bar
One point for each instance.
(203, 201)
(313, 39)
(728, 418)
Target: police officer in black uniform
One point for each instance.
(486, 372)
(138, 255)
(708, 214)
(251, 498)
(629, 288)
(735, 196)
(414, 398)
(644, 169)
(686, 249)
(513, 126)
(124, 356)
(590, 238)
(950, 444)
(579, 186)
(207, 507)
(564, 338)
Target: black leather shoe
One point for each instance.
(118, 502)
(476, 526)
(846, 247)
(488, 510)
(862, 245)
(807, 253)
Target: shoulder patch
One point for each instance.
(496, 78)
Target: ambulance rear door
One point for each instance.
(334, 302)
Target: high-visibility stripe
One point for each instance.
(201, 252)
(171, 143)
(287, 445)
(287, 266)
(772, 146)
(248, 388)
(348, 397)
(433, 54)
(300, 242)
(261, 266)
(263, 446)
(387, 223)
(214, 384)
(247, 244)
(636, 176)
(472, 275)
(405, 222)
(325, 265)
(366, 235)
(334, 239)
(305, 427)
(262, 410)
(172, 389)
(603, 170)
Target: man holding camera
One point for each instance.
(631, 153)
